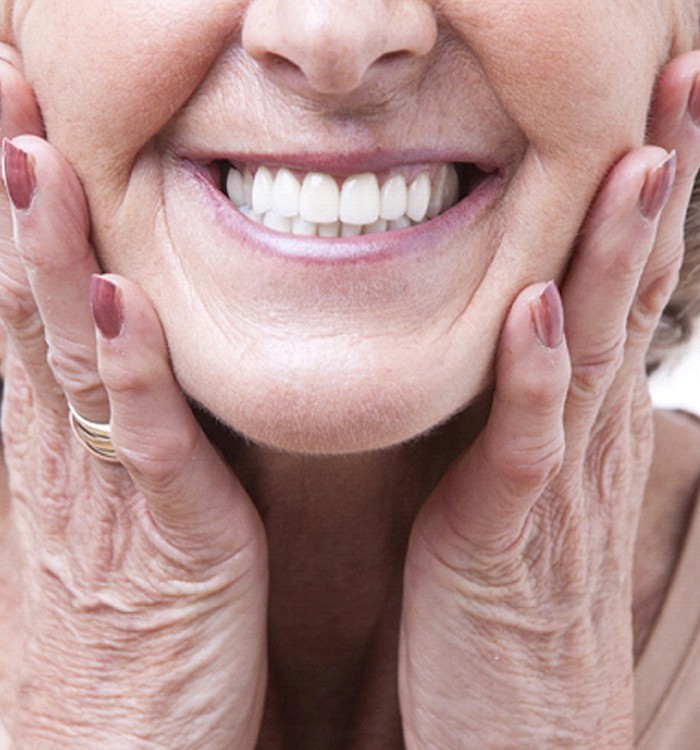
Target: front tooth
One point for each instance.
(285, 193)
(393, 198)
(235, 188)
(350, 230)
(262, 191)
(359, 199)
(319, 198)
(379, 226)
(273, 220)
(418, 197)
(303, 227)
(403, 222)
(329, 229)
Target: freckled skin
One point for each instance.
(307, 358)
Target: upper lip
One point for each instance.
(342, 164)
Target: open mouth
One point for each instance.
(319, 204)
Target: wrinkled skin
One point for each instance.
(145, 584)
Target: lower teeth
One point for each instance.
(301, 227)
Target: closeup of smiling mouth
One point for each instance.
(329, 205)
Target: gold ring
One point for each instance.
(95, 436)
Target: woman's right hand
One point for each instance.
(144, 582)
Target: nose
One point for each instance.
(336, 46)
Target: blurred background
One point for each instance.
(676, 385)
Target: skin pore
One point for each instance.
(355, 358)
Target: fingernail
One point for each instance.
(107, 310)
(18, 175)
(657, 187)
(548, 316)
(694, 101)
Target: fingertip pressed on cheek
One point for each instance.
(657, 187)
(547, 314)
(107, 307)
(533, 363)
(18, 175)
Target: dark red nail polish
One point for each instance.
(694, 101)
(657, 187)
(107, 310)
(18, 174)
(548, 317)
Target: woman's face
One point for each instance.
(320, 344)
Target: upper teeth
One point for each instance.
(323, 205)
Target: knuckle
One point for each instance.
(528, 462)
(74, 372)
(652, 296)
(626, 264)
(18, 309)
(593, 372)
(618, 258)
(543, 390)
(121, 380)
(537, 465)
(10, 55)
(157, 459)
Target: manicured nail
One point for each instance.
(657, 187)
(18, 175)
(548, 316)
(107, 310)
(694, 101)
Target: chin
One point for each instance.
(321, 414)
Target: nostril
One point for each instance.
(279, 63)
(396, 56)
(326, 74)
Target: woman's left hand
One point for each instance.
(516, 628)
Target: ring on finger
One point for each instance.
(96, 437)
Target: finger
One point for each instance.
(10, 55)
(675, 124)
(675, 118)
(20, 111)
(603, 279)
(193, 496)
(486, 496)
(51, 227)
(18, 114)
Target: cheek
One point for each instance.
(574, 74)
(116, 72)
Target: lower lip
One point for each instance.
(364, 248)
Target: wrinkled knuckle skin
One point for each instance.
(608, 463)
(74, 372)
(48, 510)
(17, 413)
(541, 392)
(593, 373)
(535, 467)
(18, 310)
(652, 298)
(123, 381)
(10, 55)
(527, 464)
(157, 458)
